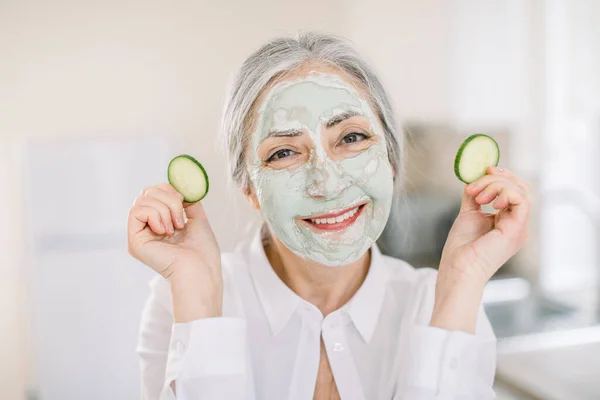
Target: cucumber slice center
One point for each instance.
(475, 156)
(189, 178)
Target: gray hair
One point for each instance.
(283, 55)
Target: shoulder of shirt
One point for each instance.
(422, 280)
(401, 271)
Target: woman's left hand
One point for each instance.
(480, 243)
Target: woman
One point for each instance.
(310, 308)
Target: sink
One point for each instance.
(514, 309)
(548, 345)
(531, 315)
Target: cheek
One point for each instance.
(370, 168)
(380, 185)
(279, 192)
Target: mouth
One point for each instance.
(335, 221)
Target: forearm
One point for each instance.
(457, 301)
(207, 351)
(453, 357)
(196, 294)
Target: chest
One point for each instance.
(325, 387)
(323, 359)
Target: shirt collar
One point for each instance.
(279, 302)
(365, 306)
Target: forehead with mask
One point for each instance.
(319, 166)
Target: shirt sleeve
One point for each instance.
(446, 365)
(201, 359)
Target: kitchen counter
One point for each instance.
(548, 347)
(552, 366)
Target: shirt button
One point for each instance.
(338, 347)
(453, 363)
(180, 345)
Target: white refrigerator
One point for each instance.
(85, 292)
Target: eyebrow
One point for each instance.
(283, 133)
(336, 119)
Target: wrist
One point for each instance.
(462, 273)
(457, 301)
(196, 292)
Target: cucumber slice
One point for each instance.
(477, 153)
(188, 177)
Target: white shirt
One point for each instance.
(267, 344)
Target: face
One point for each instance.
(320, 169)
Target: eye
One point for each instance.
(280, 154)
(354, 137)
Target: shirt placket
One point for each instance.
(338, 352)
(306, 364)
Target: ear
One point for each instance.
(250, 196)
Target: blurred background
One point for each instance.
(96, 97)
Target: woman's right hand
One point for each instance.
(185, 253)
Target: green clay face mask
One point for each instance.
(326, 210)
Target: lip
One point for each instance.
(334, 213)
(338, 226)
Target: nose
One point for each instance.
(326, 180)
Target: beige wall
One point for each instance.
(112, 68)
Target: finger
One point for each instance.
(468, 203)
(495, 188)
(522, 183)
(508, 197)
(475, 188)
(518, 204)
(140, 217)
(161, 208)
(167, 187)
(136, 222)
(173, 201)
(155, 221)
(194, 210)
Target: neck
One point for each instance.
(328, 288)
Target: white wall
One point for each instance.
(448, 62)
(571, 140)
(14, 351)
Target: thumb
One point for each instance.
(469, 203)
(194, 210)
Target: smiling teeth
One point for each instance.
(335, 220)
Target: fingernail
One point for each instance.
(180, 222)
(499, 169)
